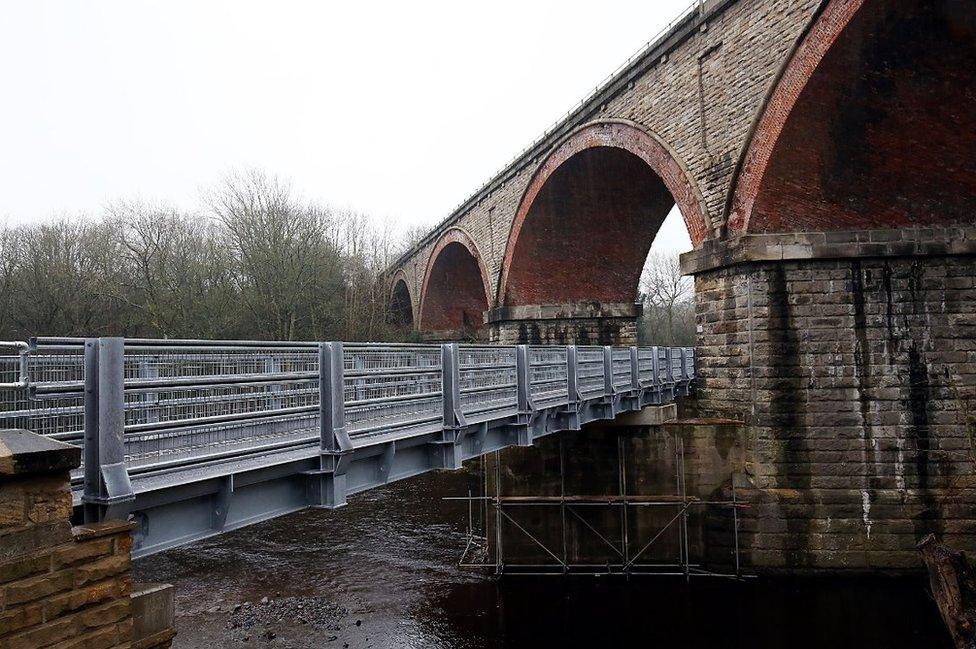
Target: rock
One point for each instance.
(264, 600)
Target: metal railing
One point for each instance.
(139, 406)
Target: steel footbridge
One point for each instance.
(191, 438)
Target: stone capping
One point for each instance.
(23, 453)
(846, 244)
(89, 531)
(568, 311)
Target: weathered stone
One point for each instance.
(26, 453)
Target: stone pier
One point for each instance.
(63, 585)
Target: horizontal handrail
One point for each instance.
(184, 403)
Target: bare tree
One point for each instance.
(258, 262)
(287, 269)
(178, 275)
(668, 300)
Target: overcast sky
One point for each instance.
(398, 109)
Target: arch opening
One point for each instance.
(401, 306)
(588, 231)
(882, 133)
(455, 296)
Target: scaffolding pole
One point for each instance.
(504, 507)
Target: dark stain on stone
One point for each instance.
(560, 335)
(529, 333)
(582, 336)
(889, 312)
(914, 287)
(725, 439)
(928, 521)
(862, 353)
(787, 407)
(918, 411)
(609, 333)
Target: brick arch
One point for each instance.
(401, 301)
(866, 125)
(456, 291)
(609, 184)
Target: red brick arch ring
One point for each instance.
(822, 31)
(632, 138)
(451, 238)
(401, 276)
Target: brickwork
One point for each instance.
(901, 155)
(455, 294)
(698, 94)
(857, 378)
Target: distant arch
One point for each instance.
(401, 302)
(867, 125)
(588, 217)
(455, 293)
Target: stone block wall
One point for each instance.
(857, 379)
(576, 331)
(60, 585)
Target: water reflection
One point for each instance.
(382, 573)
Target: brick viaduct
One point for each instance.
(823, 156)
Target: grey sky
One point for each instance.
(397, 109)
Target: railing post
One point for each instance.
(668, 390)
(453, 418)
(332, 422)
(635, 369)
(328, 483)
(572, 375)
(635, 384)
(655, 366)
(526, 411)
(523, 379)
(608, 371)
(451, 386)
(571, 418)
(107, 490)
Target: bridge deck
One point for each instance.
(192, 438)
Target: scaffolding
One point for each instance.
(489, 512)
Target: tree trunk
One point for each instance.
(953, 584)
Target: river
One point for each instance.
(382, 573)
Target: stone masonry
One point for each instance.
(61, 586)
(856, 375)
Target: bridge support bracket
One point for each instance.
(326, 485)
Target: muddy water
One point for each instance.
(382, 573)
